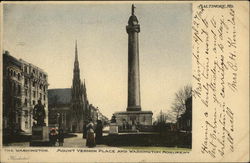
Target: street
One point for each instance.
(76, 141)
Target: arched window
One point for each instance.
(26, 124)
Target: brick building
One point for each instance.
(23, 85)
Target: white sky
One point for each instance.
(45, 34)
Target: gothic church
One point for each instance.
(80, 105)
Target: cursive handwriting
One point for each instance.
(215, 76)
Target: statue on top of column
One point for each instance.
(133, 9)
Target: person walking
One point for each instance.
(61, 137)
(90, 134)
(98, 132)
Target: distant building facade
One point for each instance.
(23, 85)
(60, 108)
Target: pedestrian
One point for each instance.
(98, 132)
(90, 134)
(61, 137)
(52, 137)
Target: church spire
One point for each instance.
(76, 77)
(76, 53)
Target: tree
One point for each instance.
(165, 117)
(178, 106)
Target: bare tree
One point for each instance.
(165, 117)
(178, 106)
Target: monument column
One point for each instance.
(134, 99)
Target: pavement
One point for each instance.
(76, 141)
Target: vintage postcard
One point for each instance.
(128, 81)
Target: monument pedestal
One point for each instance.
(40, 136)
(130, 121)
(113, 129)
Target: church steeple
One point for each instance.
(77, 95)
(76, 64)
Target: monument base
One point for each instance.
(134, 121)
(40, 136)
(113, 129)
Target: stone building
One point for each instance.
(79, 100)
(94, 111)
(12, 97)
(35, 87)
(60, 108)
(23, 85)
(69, 107)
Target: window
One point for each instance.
(41, 86)
(25, 102)
(14, 73)
(25, 113)
(34, 102)
(44, 97)
(19, 90)
(14, 88)
(26, 92)
(34, 94)
(18, 76)
(25, 69)
(40, 96)
(44, 88)
(34, 84)
(25, 81)
(26, 125)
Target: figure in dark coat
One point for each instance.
(98, 132)
(90, 134)
(61, 137)
(53, 137)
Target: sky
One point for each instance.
(45, 34)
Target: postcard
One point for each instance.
(125, 81)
